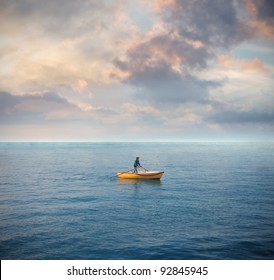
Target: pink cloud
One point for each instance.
(262, 19)
(254, 65)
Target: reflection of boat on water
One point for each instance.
(144, 175)
(123, 181)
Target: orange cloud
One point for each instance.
(261, 24)
(255, 65)
(82, 84)
(264, 28)
(161, 4)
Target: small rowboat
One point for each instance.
(140, 175)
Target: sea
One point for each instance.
(63, 201)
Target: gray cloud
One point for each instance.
(162, 65)
(265, 9)
(216, 23)
(159, 83)
(164, 86)
(9, 101)
(171, 47)
(196, 30)
(234, 116)
(60, 18)
(31, 107)
(48, 106)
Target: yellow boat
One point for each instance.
(140, 175)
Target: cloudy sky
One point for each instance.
(179, 70)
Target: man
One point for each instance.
(136, 165)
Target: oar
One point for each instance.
(144, 168)
(120, 173)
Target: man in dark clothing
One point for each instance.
(136, 164)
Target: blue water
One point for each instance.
(63, 201)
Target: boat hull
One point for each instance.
(141, 175)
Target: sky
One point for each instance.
(159, 70)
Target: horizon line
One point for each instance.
(141, 141)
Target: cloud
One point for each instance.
(262, 12)
(53, 43)
(263, 8)
(215, 23)
(251, 116)
(173, 66)
(51, 115)
(33, 107)
(159, 83)
(164, 65)
(58, 18)
(48, 106)
(188, 38)
(187, 120)
(254, 65)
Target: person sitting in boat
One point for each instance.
(136, 164)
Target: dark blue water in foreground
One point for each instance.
(63, 201)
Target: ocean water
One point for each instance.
(63, 201)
